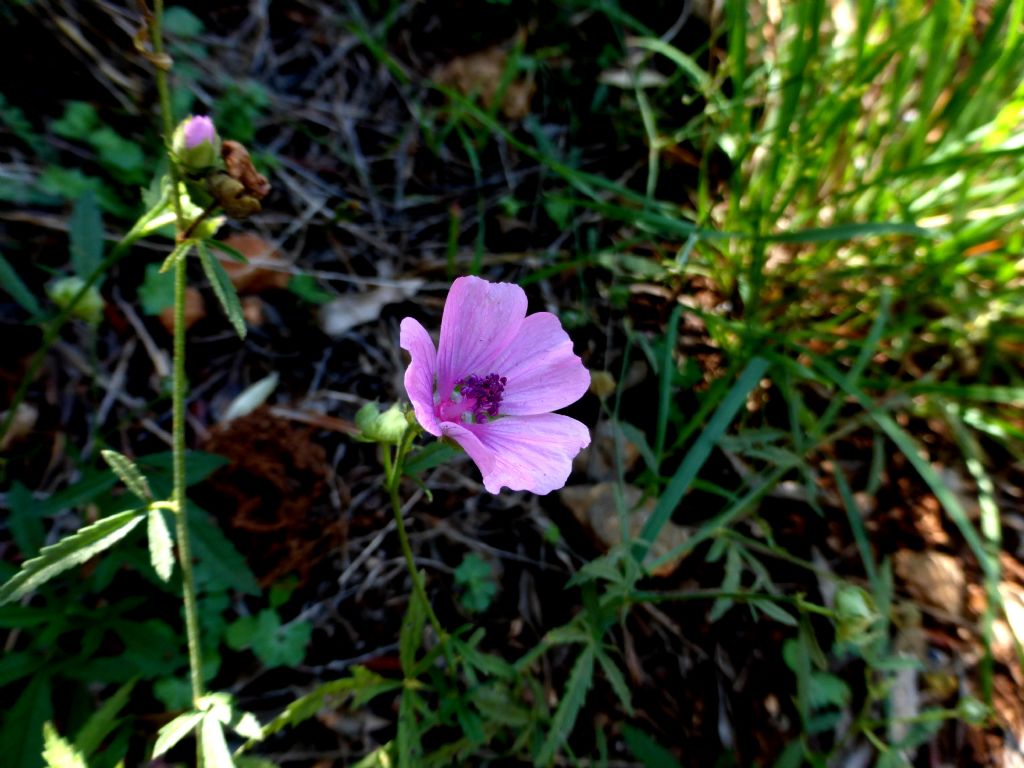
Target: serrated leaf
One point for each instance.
(57, 752)
(130, 475)
(409, 746)
(616, 681)
(411, 634)
(68, 552)
(228, 250)
(85, 230)
(362, 681)
(569, 707)
(175, 731)
(12, 283)
(219, 565)
(223, 288)
(161, 548)
(213, 744)
(103, 720)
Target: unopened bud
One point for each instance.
(387, 427)
(89, 308)
(856, 615)
(196, 145)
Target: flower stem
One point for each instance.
(178, 418)
(393, 475)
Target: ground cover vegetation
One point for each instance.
(783, 238)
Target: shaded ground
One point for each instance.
(383, 190)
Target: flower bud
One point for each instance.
(196, 144)
(89, 308)
(856, 615)
(376, 427)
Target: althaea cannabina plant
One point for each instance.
(492, 383)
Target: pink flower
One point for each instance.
(492, 383)
(199, 129)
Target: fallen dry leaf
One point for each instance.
(346, 312)
(933, 579)
(482, 73)
(595, 507)
(23, 422)
(266, 268)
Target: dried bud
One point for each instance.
(239, 166)
(196, 144)
(232, 196)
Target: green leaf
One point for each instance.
(433, 455)
(307, 288)
(775, 611)
(569, 707)
(78, 122)
(21, 737)
(24, 521)
(362, 681)
(698, 454)
(130, 475)
(410, 749)
(13, 285)
(213, 743)
(616, 680)
(223, 288)
(175, 731)
(17, 664)
(228, 250)
(157, 290)
(274, 643)
(102, 721)
(649, 752)
(57, 752)
(475, 579)
(68, 552)
(161, 548)
(411, 634)
(218, 564)
(85, 230)
(181, 22)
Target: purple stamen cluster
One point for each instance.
(486, 391)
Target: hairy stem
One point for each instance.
(393, 476)
(179, 384)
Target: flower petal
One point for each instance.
(543, 372)
(524, 453)
(419, 376)
(479, 321)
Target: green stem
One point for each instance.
(393, 476)
(178, 418)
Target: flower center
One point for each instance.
(475, 399)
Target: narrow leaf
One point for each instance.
(616, 681)
(223, 288)
(103, 720)
(409, 746)
(175, 731)
(411, 633)
(213, 744)
(161, 549)
(130, 475)
(576, 688)
(698, 454)
(68, 552)
(12, 283)
(85, 230)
